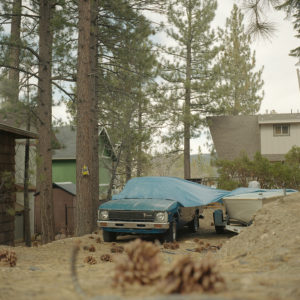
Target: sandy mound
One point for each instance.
(274, 234)
(267, 252)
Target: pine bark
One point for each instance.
(187, 106)
(94, 67)
(128, 162)
(139, 146)
(86, 123)
(44, 166)
(27, 233)
(14, 55)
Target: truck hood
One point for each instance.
(140, 204)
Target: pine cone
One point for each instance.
(90, 260)
(172, 246)
(8, 257)
(117, 249)
(92, 248)
(91, 237)
(199, 249)
(141, 265)
(188, 275)
(106, 257)
(98, 240)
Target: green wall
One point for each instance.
(64, 170)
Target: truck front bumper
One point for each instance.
(132, 225)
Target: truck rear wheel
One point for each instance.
(109, 236)
(194, 225)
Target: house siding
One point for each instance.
(63, 206)
(20, 162)
(271, 145)
(7, 195)
(64, 170)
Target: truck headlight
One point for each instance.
(103, 215)
(161, 217)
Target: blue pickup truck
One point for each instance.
(155, 205)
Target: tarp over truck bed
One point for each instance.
(187, 193)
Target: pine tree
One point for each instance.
(86, 119)
(44, 111)
(127, 69)
(239, 87)
(189, 71)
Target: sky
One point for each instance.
(281, 88)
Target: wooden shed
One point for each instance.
(8, 134)
(64, 195)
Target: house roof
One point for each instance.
(279, 118)
(69, 187)
(18, 133)
(235, 134)
(66, 137)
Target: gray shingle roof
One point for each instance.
(279, 118)
(18, 133)
(235, 134)
(69, 187)
(66, 137)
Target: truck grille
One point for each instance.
(134, 216)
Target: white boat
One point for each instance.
(243, 207)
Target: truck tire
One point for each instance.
(171, 235)
(220, 229)
(109, 236)
(219, 221)
(194, 225)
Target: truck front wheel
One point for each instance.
(171, 234)
(109, 236)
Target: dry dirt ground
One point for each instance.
(262, 262)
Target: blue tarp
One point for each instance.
(244, 190)
(187, 193)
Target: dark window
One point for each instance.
(281, 129)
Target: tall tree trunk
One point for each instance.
(139, 147)
(128, 161)
(94, 76)
(85, 139)
(14, 55)
(27, 233)
(187, 106)
(115, 165)
(44, 166)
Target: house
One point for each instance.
(19, 120)
(64, 158)
(8, 136)
(273, 135)
(64, 195)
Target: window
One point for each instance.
(281, 129)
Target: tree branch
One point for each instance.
(19, 69)
(22, 47)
